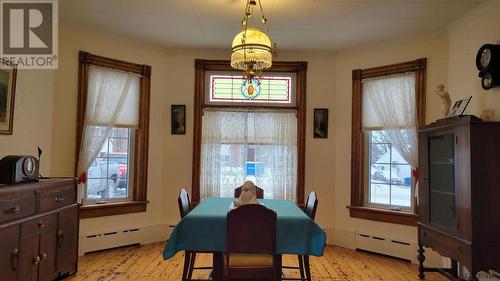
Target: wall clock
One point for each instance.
(488, 64)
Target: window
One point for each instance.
(240, 145)
(108, 176)
(388, 106)
(389, 183)
(112, 136)
(249, 131)
(227, 88)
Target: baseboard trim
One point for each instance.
(383, 244)
(123, 237)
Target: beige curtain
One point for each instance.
(389, 104)
(112, 100)
(231, 139)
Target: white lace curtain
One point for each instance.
(389, 104)
(230, 139)
(112, 100)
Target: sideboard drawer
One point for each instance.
(37, 225)
(14, 208)
(54, 198)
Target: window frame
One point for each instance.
(255, 103)
(130, 175)
(358, 207)
(299, 68)
(138, 180)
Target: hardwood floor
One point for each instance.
(146, 263)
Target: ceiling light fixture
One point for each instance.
(252, 49)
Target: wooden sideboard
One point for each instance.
(39, 224)
(459, 194)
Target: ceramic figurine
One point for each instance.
(488, 114)
(445, 100)
(248, 193)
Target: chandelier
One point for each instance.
(252, 49)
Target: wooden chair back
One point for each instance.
(184, 203)
(311, 205)
(259, 192)
(249, 223)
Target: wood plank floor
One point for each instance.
(146, 263)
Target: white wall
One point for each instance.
(436, 52)
(32, 117)
(467, 35)
(170, 156)
(45, 114)
(327, 160)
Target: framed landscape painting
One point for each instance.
(7, 97)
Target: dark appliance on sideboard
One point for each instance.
(18, 168)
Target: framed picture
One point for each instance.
(7, 98)
(459, 107)
(178, 116)
(320, 123)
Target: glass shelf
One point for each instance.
(442, 205)
(443, 192)
(442, 163)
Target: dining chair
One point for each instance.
(259, 192)
(189, 256)
(304, 267)
(245, 259)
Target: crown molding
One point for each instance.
(472, 15)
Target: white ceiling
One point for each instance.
(294, 24)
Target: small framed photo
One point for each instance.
(459, 107)
(320, 123)
(178, 118)
(7, 97)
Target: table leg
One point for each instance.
(218, 266)
(187, 262)
(307, 268)
(454, 268)
(301, 267)
(280, 268)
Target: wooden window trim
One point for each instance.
(383, 215)
(139, 181)
(300, 70)
(113, 208)
(357, 208)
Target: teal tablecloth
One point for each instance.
(204, 229)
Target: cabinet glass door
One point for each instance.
(442, 209)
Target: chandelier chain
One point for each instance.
(264, 21)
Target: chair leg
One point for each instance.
(191, 265)
(277, 268)
(307, 267)
(301, 267)
(187, 262)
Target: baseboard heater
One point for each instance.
(386, 246)
(109, 240)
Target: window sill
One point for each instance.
(375, 214)
(112, 209)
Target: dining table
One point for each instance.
(204, 230)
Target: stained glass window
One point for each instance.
(233, 88)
